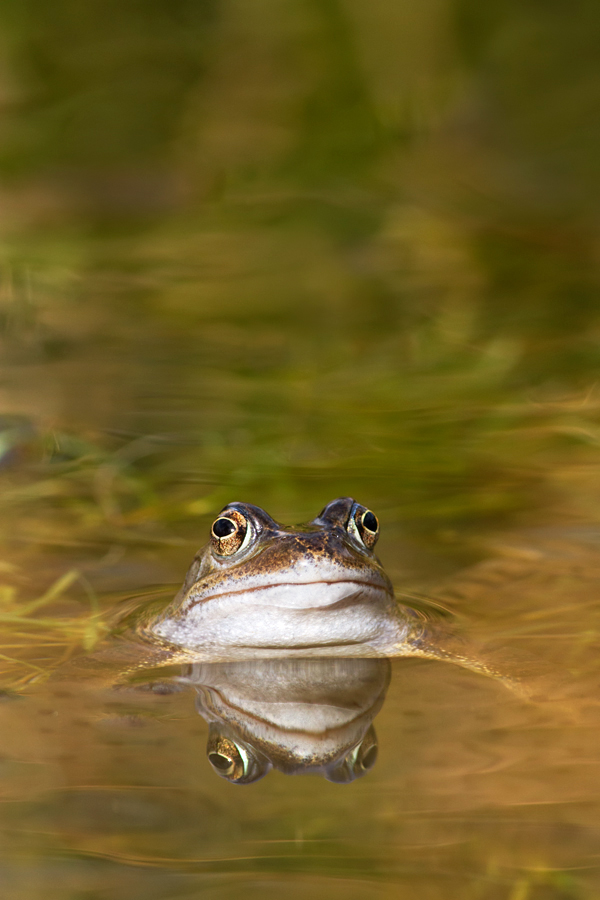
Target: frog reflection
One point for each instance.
(260, 589)
(298, 716)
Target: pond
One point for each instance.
(278, 254)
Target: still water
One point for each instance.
(473, 791)
(277, 254)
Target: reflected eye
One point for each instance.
(225, 764)
(366, 756)
(358, 762)
(234, 760)
(226, 759)
(365, 527)
(229, 532)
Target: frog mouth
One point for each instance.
(324, 593)
(323, 616)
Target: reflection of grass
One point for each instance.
(420, 456)
(448, 446)
(54, 638)
(539, 880)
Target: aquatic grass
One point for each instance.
(162, 502)
(67, 633)
(441, 440)
(547, 882)
(416, 452)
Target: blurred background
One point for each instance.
(281, 252)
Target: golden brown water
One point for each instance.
(473, 791)
(280, 253)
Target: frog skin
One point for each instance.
(300, 716)
(260, 589)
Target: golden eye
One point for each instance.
(225, 757)
(370, 522)
(229, 532)
(367, 527)
(236, 761)
(357, 762)
(224, 764)
(223, 527)
(367, 754)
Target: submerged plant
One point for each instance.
(34, 644)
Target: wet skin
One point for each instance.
(260, 589)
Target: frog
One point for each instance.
(260, 589)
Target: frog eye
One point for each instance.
(228, 764)
(358, 762)
(229, 532)
(366, 757)
(363, 525)
(233, 760)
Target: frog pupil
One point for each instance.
(223, 527)
(369, 521)
(220, 761)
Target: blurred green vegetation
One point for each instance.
(283, 252)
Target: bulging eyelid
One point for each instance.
(352, 529)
